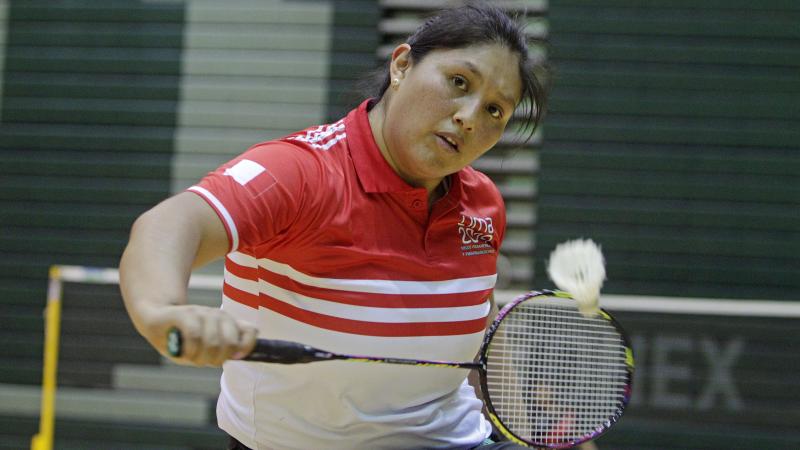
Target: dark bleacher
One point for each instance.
(672, 140)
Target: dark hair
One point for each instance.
(477, 23)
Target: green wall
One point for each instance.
(674, 140)
(89, 107)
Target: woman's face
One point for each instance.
(448, 109)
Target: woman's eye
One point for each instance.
(495, 112)
(460, 82)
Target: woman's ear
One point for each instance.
(401, 61)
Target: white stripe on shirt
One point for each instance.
(356, 312)
(225, 214)
(452, 286)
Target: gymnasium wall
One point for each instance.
(109, 108)
(89, 108)
(673, 140)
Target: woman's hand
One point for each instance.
(166, 243)
(209, 336)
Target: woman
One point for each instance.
(371, 235)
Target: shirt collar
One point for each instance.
(374, 173)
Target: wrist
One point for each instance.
(151, 320)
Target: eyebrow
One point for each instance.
(474, 69)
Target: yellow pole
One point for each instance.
(44, 439)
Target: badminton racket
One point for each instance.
(550, 376)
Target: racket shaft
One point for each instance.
(413, 362)
(286, 352)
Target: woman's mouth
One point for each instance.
(447, 143)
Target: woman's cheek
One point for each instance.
(489, 135)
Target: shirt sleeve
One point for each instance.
(259, 194)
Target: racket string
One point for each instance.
(553, 375)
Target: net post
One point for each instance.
(44, 439)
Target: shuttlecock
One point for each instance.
(578, 267)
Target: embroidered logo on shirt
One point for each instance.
(252, 175)
(476, 235)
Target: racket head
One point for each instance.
(552, 378)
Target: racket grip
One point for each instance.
(286, 352)
(266, 350)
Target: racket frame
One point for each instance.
(483, 373)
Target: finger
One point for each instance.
(191, 333)
(248, 335)
(212, 341)
(230, 339)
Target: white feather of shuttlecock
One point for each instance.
(578, 267)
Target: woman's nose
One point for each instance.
(465, 116)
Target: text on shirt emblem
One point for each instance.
(476, 235)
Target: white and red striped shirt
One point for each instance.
(331, 248)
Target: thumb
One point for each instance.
(248, 335)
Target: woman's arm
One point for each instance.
(166, 243)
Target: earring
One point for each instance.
(396, 82)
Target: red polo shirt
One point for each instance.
(330, 247)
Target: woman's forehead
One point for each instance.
(494, 63)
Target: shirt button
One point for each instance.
(416, 204)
